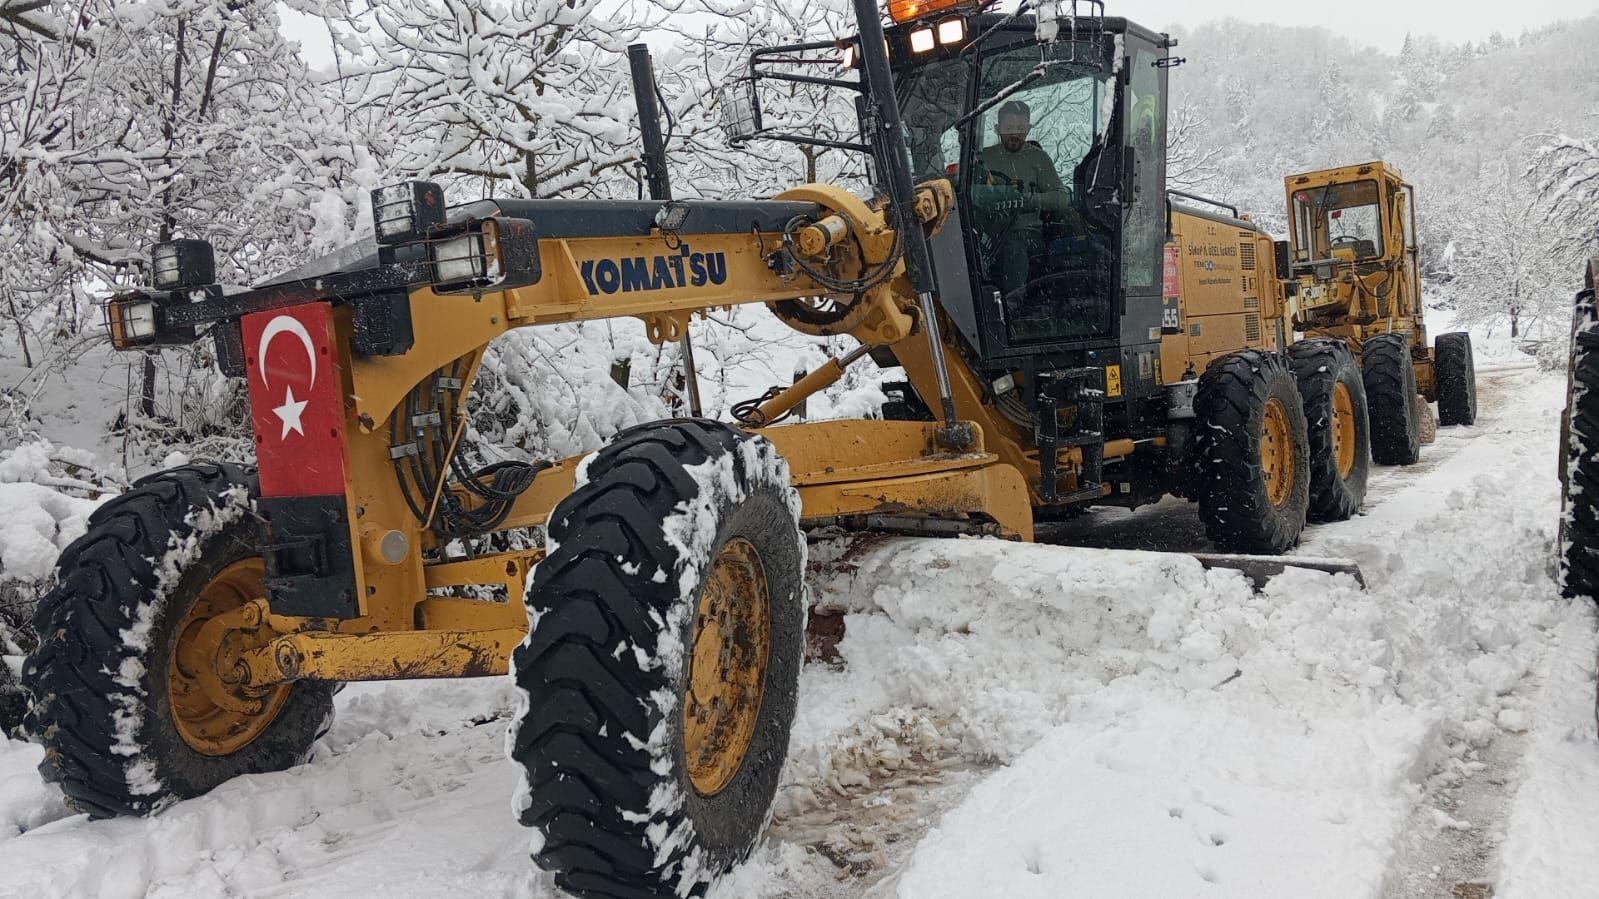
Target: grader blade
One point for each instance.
(1260, 569)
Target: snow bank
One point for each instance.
(404, 797)
(1163, 726)
(36, 523)
(1552, 829)
(37, 518)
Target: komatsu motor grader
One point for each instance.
(1356, 280)
(1084, 337)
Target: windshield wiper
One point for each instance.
(1016, 86)
(1022, 9)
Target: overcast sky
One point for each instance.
(1379, 22)
(1382, 23)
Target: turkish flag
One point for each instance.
(296, 400)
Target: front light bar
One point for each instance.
(406, 211)
(139, 319)
(492, 254)
(180, 264)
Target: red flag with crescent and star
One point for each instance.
(296, 402)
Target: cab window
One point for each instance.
(1339, 219)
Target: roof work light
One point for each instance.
(902, 11)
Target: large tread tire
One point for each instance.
(1390, 378)
(13, 703)
(1456, 373)
(107, 632)
(1320, 367)
(1578, 542)
(599, 739)
(1234, 502)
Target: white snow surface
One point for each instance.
(1025, 720)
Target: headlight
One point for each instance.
(460, 260)
(132, 319)
(951, 31)
(406, 211)
(739, 110)
(138, 321)
(1050, 12)
(497, 253)
(922, 40)
(179, 264)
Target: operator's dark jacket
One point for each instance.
(1035, 174)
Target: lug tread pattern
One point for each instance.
(1318, 365)
(600, 608)
(1390, 378)
(103, 577)
(1578, 544)
(1456, 373)
(1228, 405)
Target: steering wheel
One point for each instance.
(1344, 238)
(1000, 208)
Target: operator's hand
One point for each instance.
(994, 197)
(1003, 199)
(1022, 202)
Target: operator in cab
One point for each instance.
(1025, 175)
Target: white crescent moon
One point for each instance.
(277, 326)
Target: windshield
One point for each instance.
(1338, 220)
(932, 97)
(1039, 240)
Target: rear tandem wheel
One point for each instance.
(1456, 374)
(1390, 378)
(1578, 536)
(1336, 424)
(1252, 454)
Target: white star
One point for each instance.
(289, 412)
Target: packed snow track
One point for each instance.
(1018, 720)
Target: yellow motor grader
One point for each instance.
(1136, 345)
(1356, 280)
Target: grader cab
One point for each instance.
(1072, 333)
(1355, 279)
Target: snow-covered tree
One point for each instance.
(528, 98)
(1503, 258)
(129, 124)
(1568, 172)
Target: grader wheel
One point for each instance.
(132, 696)
(212, 712)
(727, 669)
(1578, 536)
(1390, 379)
(1252, 454)
(661, 670)
(1456, 372)
(1336, 426)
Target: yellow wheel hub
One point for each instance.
(212, 709)
(1277, 453)
(727, 672)
(1343, 429)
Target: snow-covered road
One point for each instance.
(1020, 720)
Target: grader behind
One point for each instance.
(1356, 280)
